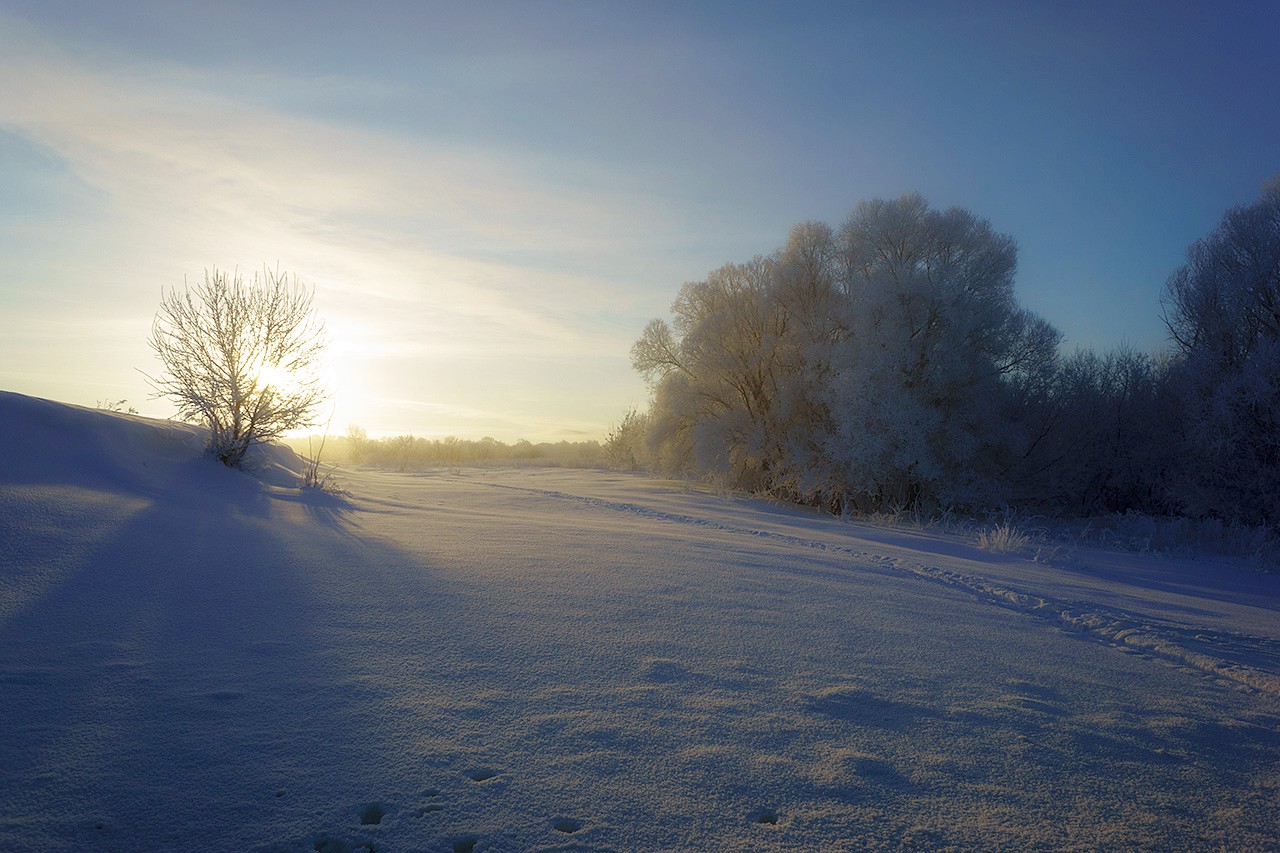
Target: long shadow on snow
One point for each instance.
(214, 672)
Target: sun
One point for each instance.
(276, 378)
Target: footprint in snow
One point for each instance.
(427, 808)
(666, 671)
(372, 814)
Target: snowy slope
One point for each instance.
(195, 659)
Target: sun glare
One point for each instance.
(276, 377)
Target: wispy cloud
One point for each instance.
(184, 159)
(417, 247)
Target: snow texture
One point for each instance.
(193, 658)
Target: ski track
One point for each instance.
(1118, 628)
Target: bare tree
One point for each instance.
(240, 358)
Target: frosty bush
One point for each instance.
(1002, 538)
(624, 445)
(240, 358)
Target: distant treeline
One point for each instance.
(407, 452)
(886, 365)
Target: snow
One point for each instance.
(193, 658)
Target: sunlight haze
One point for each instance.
(492, 202)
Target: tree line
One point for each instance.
(886, 364)
(410, 453)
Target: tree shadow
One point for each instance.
(211, 667)
(333, 509)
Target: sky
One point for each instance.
(491, 200)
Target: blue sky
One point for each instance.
(492, 199)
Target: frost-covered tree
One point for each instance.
(240, 358)
(718, 367)
(931, 351)
(880, 364)
(1222, 309)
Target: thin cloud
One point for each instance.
(378, 217)
(425, 255)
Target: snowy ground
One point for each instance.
(192, 659)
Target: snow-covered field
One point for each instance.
(195, 659)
